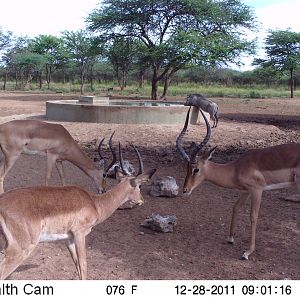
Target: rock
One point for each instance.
(164, 187)
(127, 166)
(160, 223)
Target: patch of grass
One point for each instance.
(176, 90)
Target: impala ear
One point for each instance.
(119, 175)
(211, 152)
(142, 178)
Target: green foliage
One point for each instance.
(283, 53)
(177, 33)
(283, 49)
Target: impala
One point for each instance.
(252, 173)
(39, 214)
(37, 137)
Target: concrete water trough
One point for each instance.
(103, 110)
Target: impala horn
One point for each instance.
(141, 165)
(179, 138)
(114, 155)
(198, 147)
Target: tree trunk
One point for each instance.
(92, 79)
(81, 78)
(292, 82)
(5, 79)
(154, 85)
(168, 78)
(40, 80)
(141, 79)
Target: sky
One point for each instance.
(34, 17)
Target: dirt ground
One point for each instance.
(120, 248)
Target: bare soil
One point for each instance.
(120, 248)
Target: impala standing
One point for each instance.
(37, 137)
(252, 173)
(38, 214)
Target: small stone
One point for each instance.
(160, 223)
(164, 187)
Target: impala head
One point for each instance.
(104, 167)
(197, 160)
(135, 182)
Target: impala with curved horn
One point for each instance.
(252, 173)
(37, 137)
(41, 214)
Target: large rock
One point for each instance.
(164, 187)
(160, 223)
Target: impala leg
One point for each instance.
(51, 159)
(72, 250)
(6, 164)
(238, 204)
(79, 240)
(60, 169)
(13, 258)
(255, 205)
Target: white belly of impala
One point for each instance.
(33, 152)
(280, 185)
(50, 237)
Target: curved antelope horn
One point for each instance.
(112, 151)
(205, 140)
(141, 165)
(179, 138)
(99, 149)
(114, 155)
(121, 160)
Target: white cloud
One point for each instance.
(34, 17)
(273, 16)
(280, 16)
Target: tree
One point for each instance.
(283, 53)
(26, 63)
(81, 49)
(16, 45)
(51, 47)
(121, 55)
(177, 33)
(5, 39)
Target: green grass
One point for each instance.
(178, 90)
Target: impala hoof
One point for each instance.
(244, 257)
(230, 240)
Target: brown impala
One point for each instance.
(41, 214)
(36, 137)
(252, 173)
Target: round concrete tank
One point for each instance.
(102, 110)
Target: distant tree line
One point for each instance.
(158, 41)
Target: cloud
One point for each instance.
(34, 17)
(280, 16)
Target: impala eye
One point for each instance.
(195, 171)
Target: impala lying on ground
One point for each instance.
(35, 137)
(37, 214)
(252, 173)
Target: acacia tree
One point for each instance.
(18, 45)
(121, 55)
(51, 47)
(176, 33)
(6, 41)
(283, 53)
(81, 48)
(25, 64)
